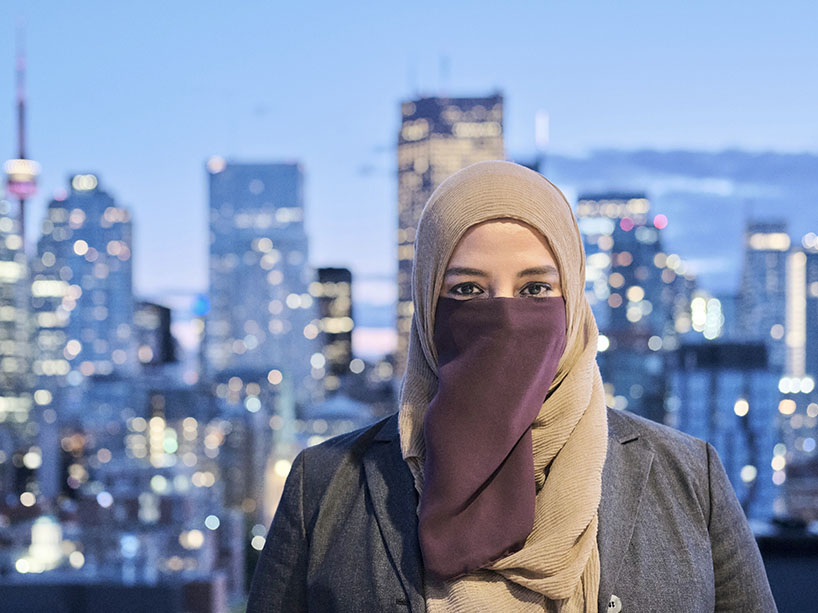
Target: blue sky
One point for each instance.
(143, 93)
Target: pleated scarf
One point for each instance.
(557, 568)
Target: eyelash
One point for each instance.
(460, 286)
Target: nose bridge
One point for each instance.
(502, 286)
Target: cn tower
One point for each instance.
(21, 172)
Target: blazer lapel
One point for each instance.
(624, 476)
(395, 501)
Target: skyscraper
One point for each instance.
(82, 304)
(15, 359)
(82, 291)
(438, 137)
(261, 314)
(600, 216)
(635, 291)
(797, 457)
(724, 393)
(14, 363)
(762, 295)
(156, 345)
(801, 321)
(811, 312)
(333, 292)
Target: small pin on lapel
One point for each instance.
(614, 604)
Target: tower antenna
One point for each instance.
(21, 173)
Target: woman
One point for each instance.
(503, 483)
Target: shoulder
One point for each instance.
(354, 442)
(679, 462)
(320, 463)
(662, 439)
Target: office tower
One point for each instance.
(15, 382)
(261, 317)
(797, 458)
(762, 295)
(801, 319)
(15, 374)
(438, 137)
(795, 461)
(811, 311)
(725, 393)
(82, 304)
(637, 293)
(625, 284)
(155, 343)
(82, 290)
(333, 293)
(729, 304)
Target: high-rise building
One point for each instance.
(801, 319)
(623, 283)
(637, 293)
(15, 359)
(762, 295)
(156, 344)
(82, 289)
(333, 293)
(262, 316)
(724, 393)
(811, 310)
(797, 456)
(795, 460)
(15, 384)
(82, 305)
(438, 137)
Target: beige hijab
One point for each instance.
(558, 567)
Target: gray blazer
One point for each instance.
(672, 536)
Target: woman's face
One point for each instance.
(501, 259)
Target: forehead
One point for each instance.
(499, 238)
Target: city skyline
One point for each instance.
(215, 272)
(325, 100)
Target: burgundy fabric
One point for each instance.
(497, 357)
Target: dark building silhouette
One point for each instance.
(155, 343)
(333, 292)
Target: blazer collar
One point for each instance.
(395, 501)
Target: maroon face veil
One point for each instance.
(496, 361)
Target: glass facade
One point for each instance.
(262, 316)
(81, 288)
(726, 394)
(82, 309)
(19, 456)
(762, 294)
(638, 294)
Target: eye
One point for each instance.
(536, 288)
(465, 290)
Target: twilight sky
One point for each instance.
(143, 93)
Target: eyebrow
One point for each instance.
(528, 272)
